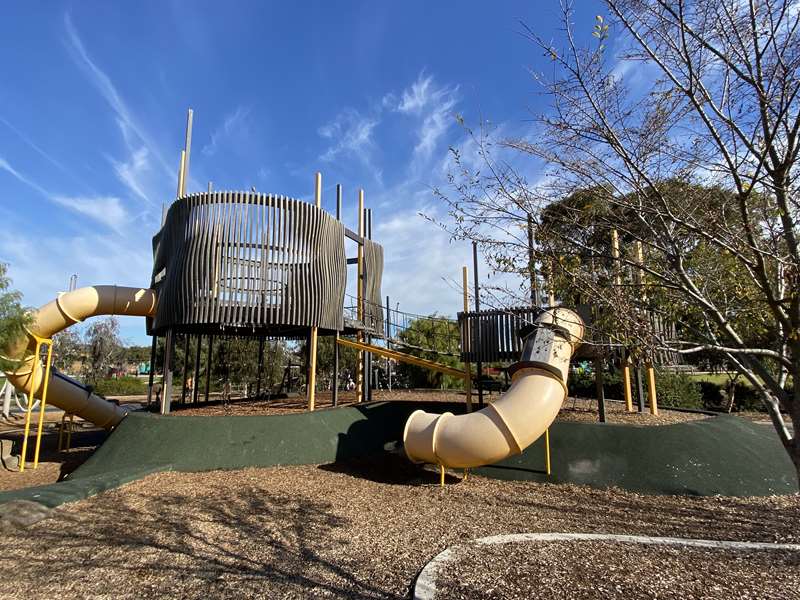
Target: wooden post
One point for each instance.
(186, 338)
(651, 389)
(478, 363)
(209, 356)
(360, 299)
(601, 394)
(311, 391)
(166, 386)
(196, 378)
(626, 364)
(152, 369)
(187, 149)
(467, 366)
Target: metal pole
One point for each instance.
(467, 365)
(598, 382)
(368, 355)
(479, 362)
(311, 388)
(388, 341)
(260, 366)
(335, 386)
(360, 300)
(166, 387)
(185, 367)
(535, 300)
(209, 355)
(196, 378)
(187, 149)
(152, 369)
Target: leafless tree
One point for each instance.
(694, 159)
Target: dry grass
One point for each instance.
(363, 529)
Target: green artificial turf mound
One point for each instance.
(721, 455)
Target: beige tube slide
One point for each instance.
(70, 308)
(518, 418)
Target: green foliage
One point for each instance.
(434, 339)
(121, 386)
(102, 349)
(13, 317)
(678, 390)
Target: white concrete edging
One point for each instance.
(425, 587)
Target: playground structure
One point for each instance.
(263, 266)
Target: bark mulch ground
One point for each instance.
(364, 529)
(574, 570)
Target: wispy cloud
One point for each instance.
(234, 123)
(433, 105)
(106, 210)
(138, 141)
(352, 137)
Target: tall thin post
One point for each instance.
(535, 300)
(360, 300)
(181, 175)
(260, 366)
(209, 355)
(196, 377)
(650, 372)
(335, 385)
(153, 346)
(311, 392)
(479, 362)
(166, 388)
(467, 366)
(187, 148)
(368, 355)
(598, 382)
(626, 363)
(186, 337)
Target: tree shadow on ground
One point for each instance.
(250, 543)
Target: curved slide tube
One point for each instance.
(70, 308)
(518, 418)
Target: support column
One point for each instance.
(599, 377)
(311, 387)
(651, 389)
(209, 355)
(166, 387)
(626, 382)
(478, 363)
(260, 366)
(360, 300)
(153, 347)
(186, 337)
(196, 377)
(388, 342)
(335, 385)
(467, 366)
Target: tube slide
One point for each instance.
(519, 417)
(70, 308)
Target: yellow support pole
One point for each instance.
(441, 477)
(547, 450)
(626, 367)
(467, 366)
(43, 402)
(651, 389)
(23, 457)
(311, 391)
(360, 299)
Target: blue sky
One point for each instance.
(93, 104)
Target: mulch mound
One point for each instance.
(362, 529)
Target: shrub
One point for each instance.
(678, 390)
(121, 386)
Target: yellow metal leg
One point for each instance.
(441, 471)
(466, 474)
(547, 450)
(23, 457)
(43, 404)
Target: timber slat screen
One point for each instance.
(493, 335)
(247, 261)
